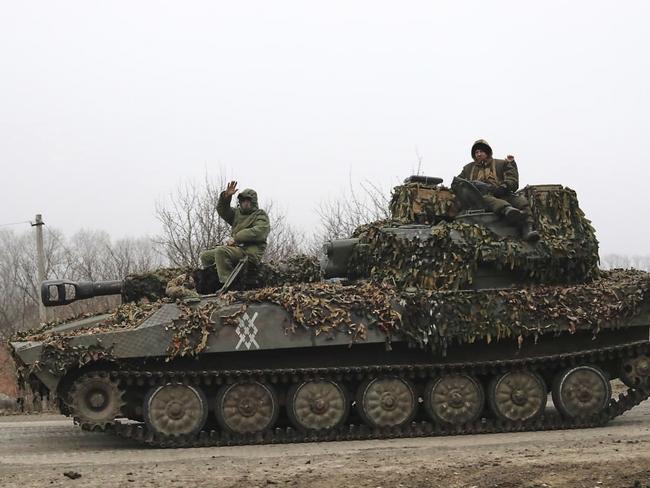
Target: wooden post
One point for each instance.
(40, 254)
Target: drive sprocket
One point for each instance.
(95, 400)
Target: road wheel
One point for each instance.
(386, 401)
(175, 409)
(454, 399)
(581, 392)
(317, 405)
(246, 407)
(95, 399)
(635, 372)
(518, 396)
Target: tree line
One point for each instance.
(189, 225)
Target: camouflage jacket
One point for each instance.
(249, 229)
(505, 171)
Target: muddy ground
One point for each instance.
(36, 451)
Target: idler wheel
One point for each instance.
(246, 407)
(454, 399)
(317, 405)
(635, 372)
(581, 391)
(518, 396)
(95, 399)
(175, 409)
(386, 401)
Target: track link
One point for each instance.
(280, 435)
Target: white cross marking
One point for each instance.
(247, 331)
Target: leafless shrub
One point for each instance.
(88, 255)
(361, 204)
(191, 224)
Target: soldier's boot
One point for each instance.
(528, 233)
(206, 280)
(513, 215)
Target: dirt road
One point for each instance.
(35, 451)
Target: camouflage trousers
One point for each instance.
(224, 258)
(497, 205)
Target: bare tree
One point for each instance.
(284, 240)
(88, 255)
(361, 204)
(133, 256)
(191, 224)
(190, 221)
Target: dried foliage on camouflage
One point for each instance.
(329, 307)
(296, 269)
(58, 355)
(426, 204)
(191, 330)
(439, 318)
(447, 256)
(436, 319)
(126, 316)
(151, 285)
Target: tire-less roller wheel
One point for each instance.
(581, 391)
(317, 405)
(518, 396)
(386, 401)
(175, 409)
(454, 399)
(246, 407)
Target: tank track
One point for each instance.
(280, 435)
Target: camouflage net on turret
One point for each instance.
(447, 257)
(425, 204)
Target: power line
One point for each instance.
(16, 223)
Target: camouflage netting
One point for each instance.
(448, 256)
(436, 319)
(191, 330)
(441, 318)
(425, 204)
(296, 269)
(331, 307)
(151, 285)
(126, 316)
(178, 283)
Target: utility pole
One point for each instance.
(40, 254)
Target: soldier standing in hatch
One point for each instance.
(499, 180)
(250, 228)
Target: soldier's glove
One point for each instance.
(501, 191)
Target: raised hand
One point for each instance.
(510, 158)
(231, 189)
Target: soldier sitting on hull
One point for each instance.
(497, 180)
(250, 228)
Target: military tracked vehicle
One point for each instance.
(440, 320)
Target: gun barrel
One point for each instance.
(62, 292)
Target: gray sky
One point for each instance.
(106, 106)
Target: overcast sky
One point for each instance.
(106, 106)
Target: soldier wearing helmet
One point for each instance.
(498, 180)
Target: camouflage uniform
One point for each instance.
(250, 228)
(500, 173)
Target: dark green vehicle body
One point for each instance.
(270, 345)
